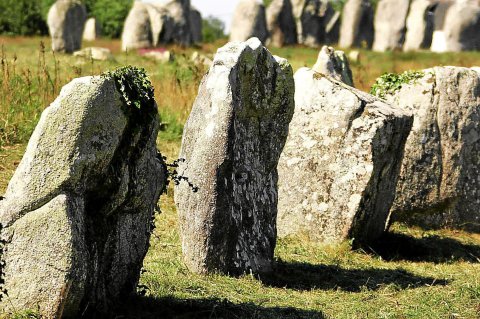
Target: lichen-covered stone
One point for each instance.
(281, 23)
(77, 212)
(462, 25)
(231, 145)
(66, 20)
(357, 24)
(334, 64)
(137, 30)
(338, 170)
(438, 184)
(420, 24)
(249, 20)
(390, 24)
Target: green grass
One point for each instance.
(412, 273)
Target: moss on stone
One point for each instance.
(389, 83)
(134, 86)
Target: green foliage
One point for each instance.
(267, 2)
(212, 29)
(111, 15)
(22, 17)
(389, 83)
(134, 85)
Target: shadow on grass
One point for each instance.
(436, 249)
(171, 308)
(304, 276)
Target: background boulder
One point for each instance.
(390, 24)
(281, 23)
(137, 31)
(66, 20)
(357, 24)
(249, 20)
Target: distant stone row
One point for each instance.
(263, 152)
(147, 25)
(439, 25)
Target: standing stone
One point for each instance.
(462, 26)
(334, 64)
(161, 24)
(92, 30)
(196, 25)
(137, 30)
(310, 23)
(420, 23)
(179, 13)
(231, 145)
(249, 20)
(77, 212)
(338, 170)
(390, 24)
(438, 39)
(281, 23)
(357, 24)
(331, 23)
(438, 184)
(66, 20)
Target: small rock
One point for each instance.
(95, 53)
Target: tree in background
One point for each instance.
(27, 17)
(212, 29)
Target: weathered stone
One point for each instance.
(178, 29)
(196, 25)
(95, 53)
(162, 25)
(438, 39)
(66, 20)
(462, 25)
(77, 212)
(137, 30)
(161, 56)
(310, 22)
(231, 145)
(92, 30)
(357, 24)
(249, 20)
(438, 184)
(281, 24)
(334, 64)
(390, 24)
(331, 23)
(420, 23)
(338, 170)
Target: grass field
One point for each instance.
(411, 273)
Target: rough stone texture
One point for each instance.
(249, 20)
(196, 25)
(438, 184)
(309, 15)
(420, 23)
(462, 25)
(281, 23)
(231, 145)
(77, 211)
(338, 170)
(357, 24)
(137, 30)
(66, 20)
(334, 64)
(92, 30)
(390, 24)
(95, 53)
